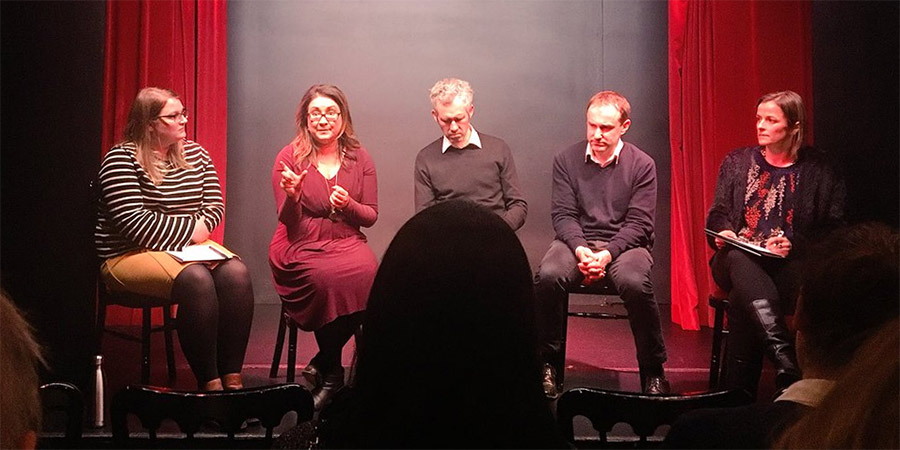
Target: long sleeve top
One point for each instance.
(136, 214)
(486, 176)
(818, 205)
(615, 204)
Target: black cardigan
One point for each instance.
(818, 209)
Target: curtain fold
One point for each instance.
(179, 45)
(722, 57)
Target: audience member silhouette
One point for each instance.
(849, 289)
(863, 408)
(20, 358)
(447, 354)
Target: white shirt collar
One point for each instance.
(808, 391)
(474, 139)
(613, 160)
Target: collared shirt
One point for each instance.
(474, 139)
(613, 160)
(807, 391)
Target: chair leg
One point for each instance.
(145, 345)
(561, 367)
(715, 362)
(292, 352)
(279, 345)
(168, 329)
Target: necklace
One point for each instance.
(333, 215)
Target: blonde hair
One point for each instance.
(20, 359)
(305, 146)
(145, 109)
(449, 89)
(863, 408)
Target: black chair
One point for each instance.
(603, 288)
(190, 410)
(145, 303)
(718, 300)
(644, 413)
(285, 322)
(62, 398)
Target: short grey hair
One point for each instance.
(448, 89)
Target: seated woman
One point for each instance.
(160, 192)
(778, 195)
(325, 190)
(447, 356)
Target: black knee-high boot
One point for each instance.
(779, 345)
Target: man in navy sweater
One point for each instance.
(463, 164)
(603, 205)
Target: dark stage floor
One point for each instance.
(600, 354)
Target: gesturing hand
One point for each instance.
(339, 198)
(291, 183)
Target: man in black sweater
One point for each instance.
(602, 205)
(465, 164)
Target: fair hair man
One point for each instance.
(603, 205)
(466, 164)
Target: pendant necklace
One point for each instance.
(333, 215)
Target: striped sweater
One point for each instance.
(134, 213)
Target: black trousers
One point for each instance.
(747, 278)
(629, 274)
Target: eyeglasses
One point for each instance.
(183, 113)
(330, 116)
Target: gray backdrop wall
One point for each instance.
(533, 65)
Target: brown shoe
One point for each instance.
(232, 381)
(212, 385)
(551, 389)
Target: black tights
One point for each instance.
(331, 339)
(215, 309)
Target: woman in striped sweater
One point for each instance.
(160, 192)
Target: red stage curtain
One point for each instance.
(179, 45)
(723, 55)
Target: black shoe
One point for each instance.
(311, 374)
(551, 389)
(778, 341)
(331, 383)
(657, 386)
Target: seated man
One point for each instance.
(602, 205)
(848, 291)
(464, 164)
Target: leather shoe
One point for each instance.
(331, 383)
(657, 386)
(551, 390)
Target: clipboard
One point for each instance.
(745, 246)
(198, 253)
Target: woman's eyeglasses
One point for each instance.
(183, 113)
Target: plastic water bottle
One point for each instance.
(99, 388)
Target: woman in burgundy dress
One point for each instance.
(325, 190)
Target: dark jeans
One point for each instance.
(747, 278)
(629, 274)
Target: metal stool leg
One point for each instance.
(719, 333)
(292, 352)
(279, 345)
(145, 345)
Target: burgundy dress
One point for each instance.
(324, 268)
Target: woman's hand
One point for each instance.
(201, 233)
(726, 233)
(339, 198)
(779, 244)
(291, 183)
